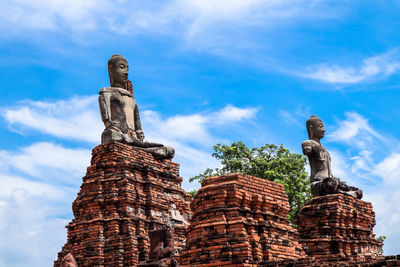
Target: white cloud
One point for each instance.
(51, 14)
(191, 135)
(12, 184)
(340, 166)
(214, 26)
(194, 127)
(188, 18)
(356, 130)
(30, 230)
(47, 161)
(180, 127)
(77, 118)
(389, 169)
(376, 67)
(231, 114)
(38, 185)
(364, 147)
(192, 162)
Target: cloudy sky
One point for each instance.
(203, 71)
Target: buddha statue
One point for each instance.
(322, 181)
(120, 113)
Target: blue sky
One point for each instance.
(203, 72)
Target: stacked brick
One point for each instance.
(239, 220)
(126, 192)
(391, 261)
(338, 229)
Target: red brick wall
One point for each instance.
(339, 228)
(239, 219)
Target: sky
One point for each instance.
(203, 72)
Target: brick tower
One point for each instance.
(240, 220)
(339, 229)
(126, 192)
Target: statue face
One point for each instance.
(318, 129)
(119, 73)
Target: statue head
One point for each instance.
(69, 261)
(315, 128)
(118, 71)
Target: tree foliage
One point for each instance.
(192, 193)
(271, 162)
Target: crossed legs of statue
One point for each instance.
(332, 185)
(159, 151)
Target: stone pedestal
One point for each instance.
(338, 228)
(126, 192)
(239, 220)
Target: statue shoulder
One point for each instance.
(107, 89)
(308, 146)
(117, 90)
(309, 143)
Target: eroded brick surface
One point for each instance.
(239, 219)
(339, 228)
(125, 193)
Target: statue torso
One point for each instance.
(320, 160)
(122, 108)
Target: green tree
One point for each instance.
(271, 162)
(192, 193)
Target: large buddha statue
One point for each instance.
(120, 112)
(322, 180)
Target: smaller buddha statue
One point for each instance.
(120, 113)
(322, 181)
(69, 261)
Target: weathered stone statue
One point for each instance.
(69, 261)
(322, 180)
(120, 112)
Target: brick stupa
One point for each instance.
(126, 192)
(240, 220)
(338, 229)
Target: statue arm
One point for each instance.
(105, 108)
(138, 125)
(307, 147)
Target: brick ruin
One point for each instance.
(235, 220)
(239, 219)
(125, 193)
(338, 228)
